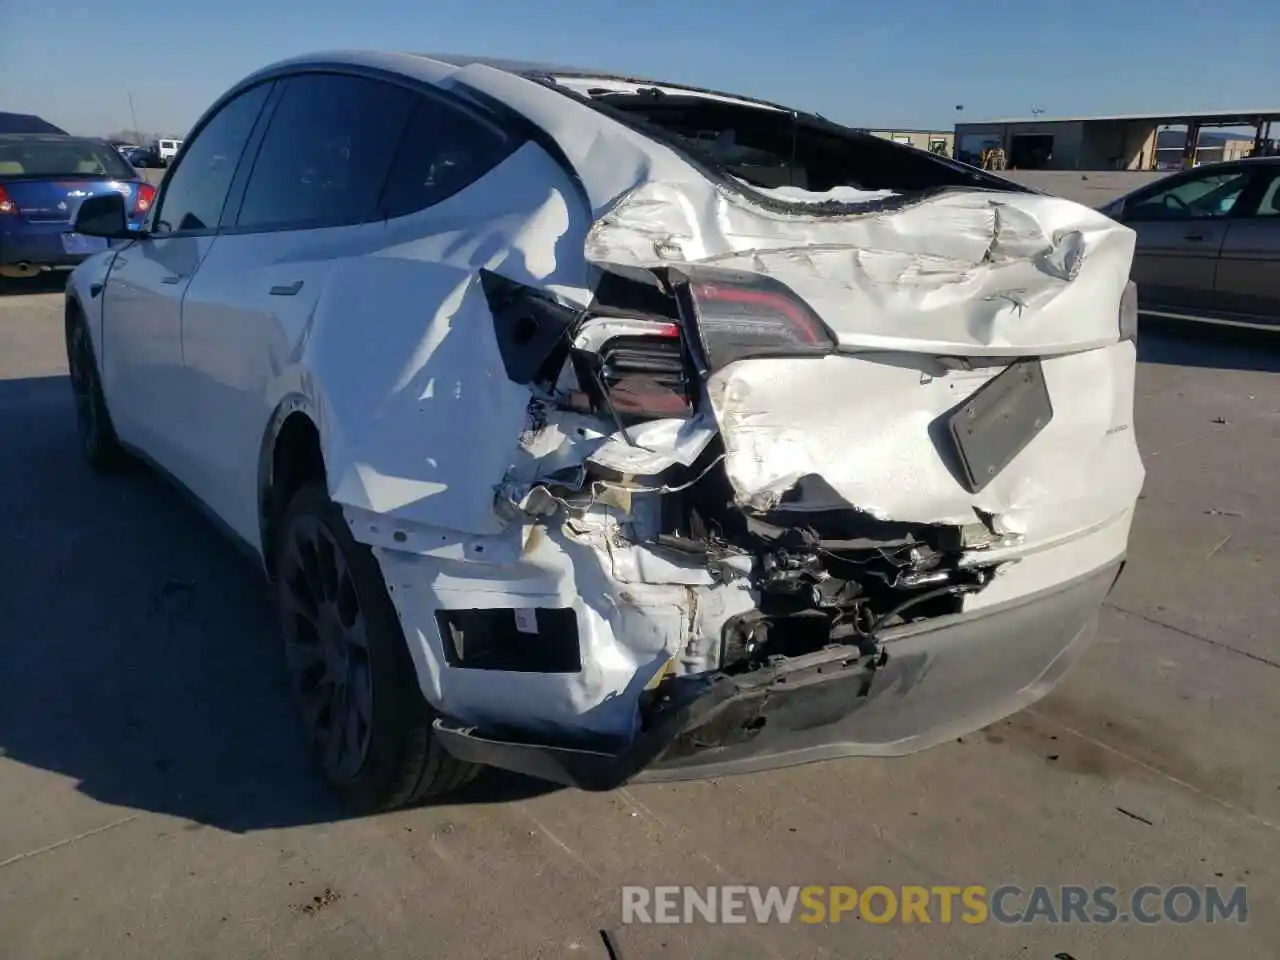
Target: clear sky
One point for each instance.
(906, 63)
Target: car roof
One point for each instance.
(523, 68)
(534, 69)
(47, 138)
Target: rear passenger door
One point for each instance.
(1181, 224)
(328, 273)
(1247, 287)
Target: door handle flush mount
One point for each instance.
(286, 289)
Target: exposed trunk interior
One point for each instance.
(835, 576)
(771, 148)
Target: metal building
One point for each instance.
(935, 141)
(1128, 142)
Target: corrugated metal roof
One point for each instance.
(933, 130)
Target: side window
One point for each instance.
(326, 153)
(444, 150)
(1269, 205)
(1212, 194)
(197, 187)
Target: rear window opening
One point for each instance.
(61, 158)
(789, 156)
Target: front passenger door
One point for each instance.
(142, 302)
(308, 206)
(1248, 282)
(1181, 224)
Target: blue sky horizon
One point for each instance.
(867, 64)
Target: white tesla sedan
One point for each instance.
(606, 429)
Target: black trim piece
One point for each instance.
(530, 327)
(515, 640)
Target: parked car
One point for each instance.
(143, 157)
(1208, 243)
(166, 150)
(605, 429)
(43, 180)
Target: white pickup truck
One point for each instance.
(166, 150)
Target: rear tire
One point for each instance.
(352, 677)
(93, 421)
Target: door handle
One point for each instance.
(172, 278)
(286, 289)
(1196, 237)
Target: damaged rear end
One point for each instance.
(802, 480)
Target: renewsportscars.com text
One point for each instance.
(941, 904)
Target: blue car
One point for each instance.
(43, 180)
(142, 157)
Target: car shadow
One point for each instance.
(1188, 343)
(139, 655)
(50, 281)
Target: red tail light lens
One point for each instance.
(146, 194)
(7, 206)
(740, 315)
(1129, 312)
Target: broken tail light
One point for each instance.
(633, 366)
(739, 315)
(639, 368)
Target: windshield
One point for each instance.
(770, 148)
(61, 158)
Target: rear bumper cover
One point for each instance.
(930, 682)
(40, 244)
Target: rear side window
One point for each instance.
(443, 151)
(326, 153)
(60, 157)
(197, 188)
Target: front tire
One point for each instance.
(98, 437)
(352, 677)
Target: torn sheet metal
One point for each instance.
(650, 448)
(419, 421)
(628, 632)
(967, 272)
(866, 426)
(834, 195)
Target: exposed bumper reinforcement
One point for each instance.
(935, 681)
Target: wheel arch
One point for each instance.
(291, 455)
(73, 309)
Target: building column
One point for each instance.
(1192, 145)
